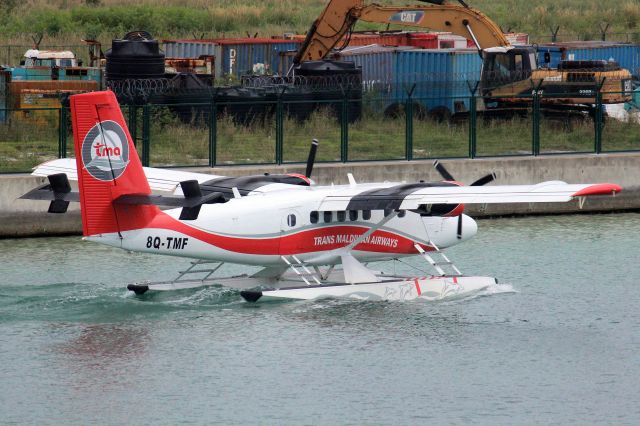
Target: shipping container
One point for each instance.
(188, 49)
(235, 56)
(625, 54)
(515, 39)
(451, 41)
(440, 79)
(391, 38)
(238, 57)
(423, 40)
(377, 64)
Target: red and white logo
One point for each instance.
(105, 151)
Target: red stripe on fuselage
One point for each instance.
(323, 238)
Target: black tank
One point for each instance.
(136, 56)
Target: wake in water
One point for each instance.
(100, 302)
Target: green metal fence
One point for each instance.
(277, 132)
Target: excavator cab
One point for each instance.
(506, 66)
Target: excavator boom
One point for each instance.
(339, 17)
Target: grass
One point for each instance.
(65, 22)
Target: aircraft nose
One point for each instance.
(469, 227)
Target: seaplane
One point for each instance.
(310, 241)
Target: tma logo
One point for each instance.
(105, 151)
(408, 16)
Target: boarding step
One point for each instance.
(440, 260)
(195, 269)
(296, 266)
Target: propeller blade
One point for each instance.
(312, 157)
(459, 234)
(442, 170)
(484, 180)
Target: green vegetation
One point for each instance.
(67, 21)
(27, 140)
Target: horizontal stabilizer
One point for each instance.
(170, 200)
(190, 203)
(58, 190)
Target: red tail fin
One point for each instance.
(108, 166)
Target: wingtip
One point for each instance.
(599, 189)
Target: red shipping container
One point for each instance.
(423, 40)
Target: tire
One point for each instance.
(440, 114)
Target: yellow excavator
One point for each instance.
(510, 75)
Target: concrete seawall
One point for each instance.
(20, 218)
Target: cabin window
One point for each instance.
(353, 215)
(366, 214)
(328, 216)
(313, 217)
(342, 216)
(291, 220)
(387, 212)
(402, 213)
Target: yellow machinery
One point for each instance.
(510, 75)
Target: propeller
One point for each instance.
(312, 157)
(478, 182)
(448, 176)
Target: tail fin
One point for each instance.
(108, 166)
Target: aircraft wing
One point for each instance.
(412, 196)
(159, 179)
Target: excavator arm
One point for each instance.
(339, 17)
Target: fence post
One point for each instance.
(213, 132)
(146, 130)
(535, 122)
(133, 123)
(408, 113)
(279, 128)
(62, 132)
(344, 126)
(598, 118)
(473, 119)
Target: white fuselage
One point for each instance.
(283, 220)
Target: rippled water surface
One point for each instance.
(558, 341)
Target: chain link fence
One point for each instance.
(279, 130)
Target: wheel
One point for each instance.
(440, 114)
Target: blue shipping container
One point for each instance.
(236, 57)
(377, 64)
(240, 58)
(627, 55)
(189, 49)
(438, 78)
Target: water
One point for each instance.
(558, 341)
